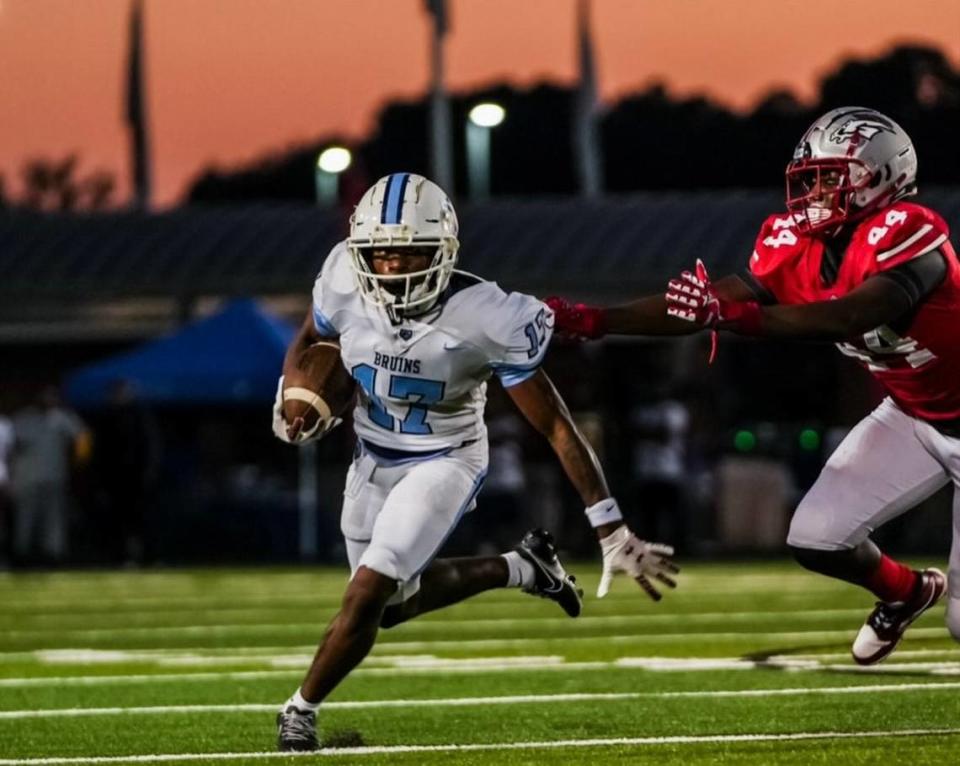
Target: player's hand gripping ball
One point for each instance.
(311, 399)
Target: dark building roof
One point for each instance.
(611, 247)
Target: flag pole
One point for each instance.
(586, 139)
(441, 144)
(136, 111)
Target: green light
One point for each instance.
(744, 441)
(809, 440)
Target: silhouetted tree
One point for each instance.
(53, 185)
(287, 176)
(918, 88)
(651, 140)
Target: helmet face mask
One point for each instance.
(404, 212)
(850, 162)
(820, 193)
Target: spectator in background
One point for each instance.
(659, 430)
(126, 461)
(6, 501)
(501, 499)
(49, 439)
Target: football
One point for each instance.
(319, 390)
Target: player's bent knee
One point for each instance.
(812, 528)
(816, 559)
(367, 594)
(385, 562)
(395, 614)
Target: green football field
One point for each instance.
(745, 663)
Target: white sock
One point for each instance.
(520, 572)
(300, 703)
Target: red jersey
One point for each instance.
(919, 364)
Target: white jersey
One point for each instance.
(423, 381)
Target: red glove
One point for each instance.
(577, 320)
(692, 298)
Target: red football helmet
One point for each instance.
(850, 163)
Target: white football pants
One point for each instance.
(396, 516)
(886, 465)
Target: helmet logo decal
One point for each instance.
(856, 130)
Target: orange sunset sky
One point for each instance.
(230, 80)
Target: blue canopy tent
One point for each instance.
(233, 357)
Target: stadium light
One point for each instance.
(330, 164)
(480, 121)
(487, 115)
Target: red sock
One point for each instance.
(891, 580)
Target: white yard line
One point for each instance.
(438, 623)
(631, 638)
(464, 666)
(271, 654)
(491, 746)
(520, 699)
(402, 665)
(516, 643)
(434, 625)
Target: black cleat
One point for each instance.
(296, 730)
(551, 579)
(884, 627)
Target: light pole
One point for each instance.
(330, 164)
(482, 118)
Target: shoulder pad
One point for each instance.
(777, 241)
(901, 232)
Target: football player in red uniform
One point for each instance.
(853, 262)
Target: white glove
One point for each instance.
(623, 551)
(281, 427)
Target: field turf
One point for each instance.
(745, 663)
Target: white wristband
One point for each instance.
(605, 512)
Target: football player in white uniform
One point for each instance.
(421, 339)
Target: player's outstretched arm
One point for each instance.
(880, 300)
(644, 316)
(647, 563)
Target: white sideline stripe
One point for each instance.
(298, 659)
(265, 654)
(901, 654)
(517, 643)
(519, 699)
(428, 625)
(695, 585)
(416, 665)
(488, 746)
(505, 622)
(139, 678)
(511, 643)
(465, 667)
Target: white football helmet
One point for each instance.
(850, 162)
(399, 211)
